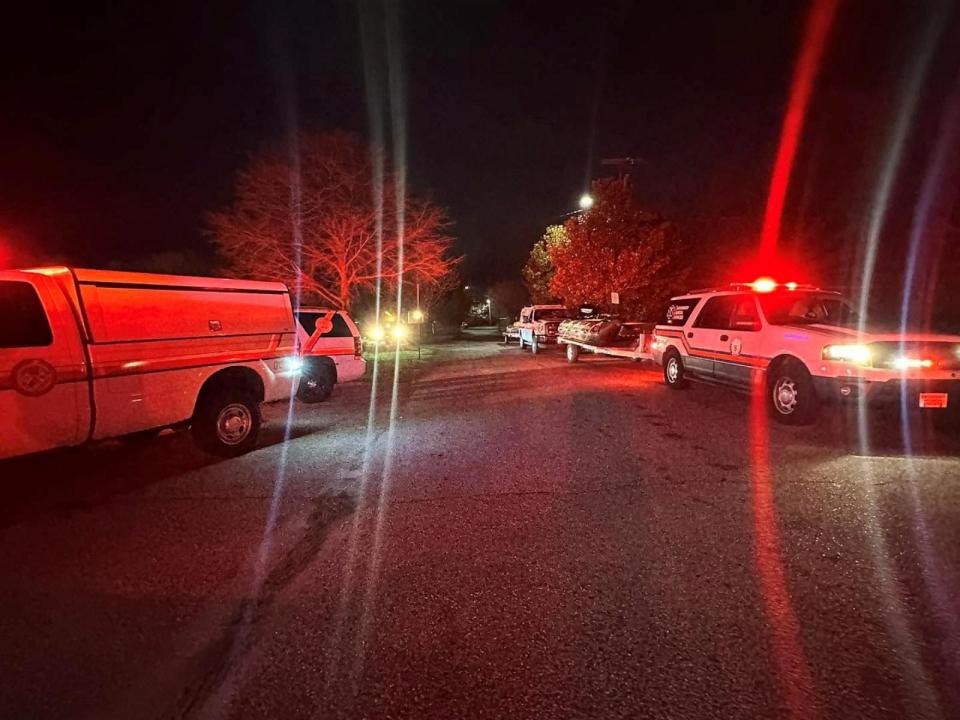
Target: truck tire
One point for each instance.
(534, 345)
(573, 353)
(226, 422)
(316, 384)
(673, 374)
(791, 398)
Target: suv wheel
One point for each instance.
(790, 394)
(316, 384)
(226, 422)
(673, 374)
(534, 345)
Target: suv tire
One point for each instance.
(316, 384)
(226, 422)
(791, 398)
(534, 345)
(673, 374)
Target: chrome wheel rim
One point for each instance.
(785, 395)
(673, 370)
(234, 424)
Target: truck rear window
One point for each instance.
(23, 323)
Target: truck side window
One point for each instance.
(23, 323)
(716, 313)
(339, 329)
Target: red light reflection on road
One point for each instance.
(794, 673)
(815, 39)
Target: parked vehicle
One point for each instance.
(538, 325)
(606, 336)
(804, 346)
(331, 349)
(87, 355)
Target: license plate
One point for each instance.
(933, 400)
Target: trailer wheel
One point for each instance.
(573, 353)
(226, 422)
(534, 345)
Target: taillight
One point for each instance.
(357, 346)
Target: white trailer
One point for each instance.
(635, 349)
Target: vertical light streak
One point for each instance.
(907, 104)
(793, 671)
(819, 22)
(372, 62)
(922, 701)
(395, 75)
(935, 186)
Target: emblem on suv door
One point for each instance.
(736, 346)
(34, 377)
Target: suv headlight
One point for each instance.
(292, 365)
(858, 354)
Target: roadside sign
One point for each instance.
(614, 298)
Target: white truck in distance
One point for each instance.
(87, 355)
(803, 346)
(538, 325)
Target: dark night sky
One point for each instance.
(120, 126)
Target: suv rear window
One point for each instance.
(679, 310)
(340, 327)
(309, 322)
(23, 323)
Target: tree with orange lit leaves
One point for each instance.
(617, 246)
(309, 218)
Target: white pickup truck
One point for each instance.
(87, 355)
(538, 325)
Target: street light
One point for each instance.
(489, 313)
(586, 201)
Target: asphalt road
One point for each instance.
(525, 539)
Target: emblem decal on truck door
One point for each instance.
(215, 325)
(736, 346)
(34, 377)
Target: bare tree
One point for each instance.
(310, 219)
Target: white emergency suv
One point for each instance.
(803, 346)
(87, 355)
(332, 352)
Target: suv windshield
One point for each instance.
(806, 308)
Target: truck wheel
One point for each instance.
(791, 398)
(226, 422)
(534, 345)
(673, 374)
(573, 353)
(316, 384)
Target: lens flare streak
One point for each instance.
(817, 31)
